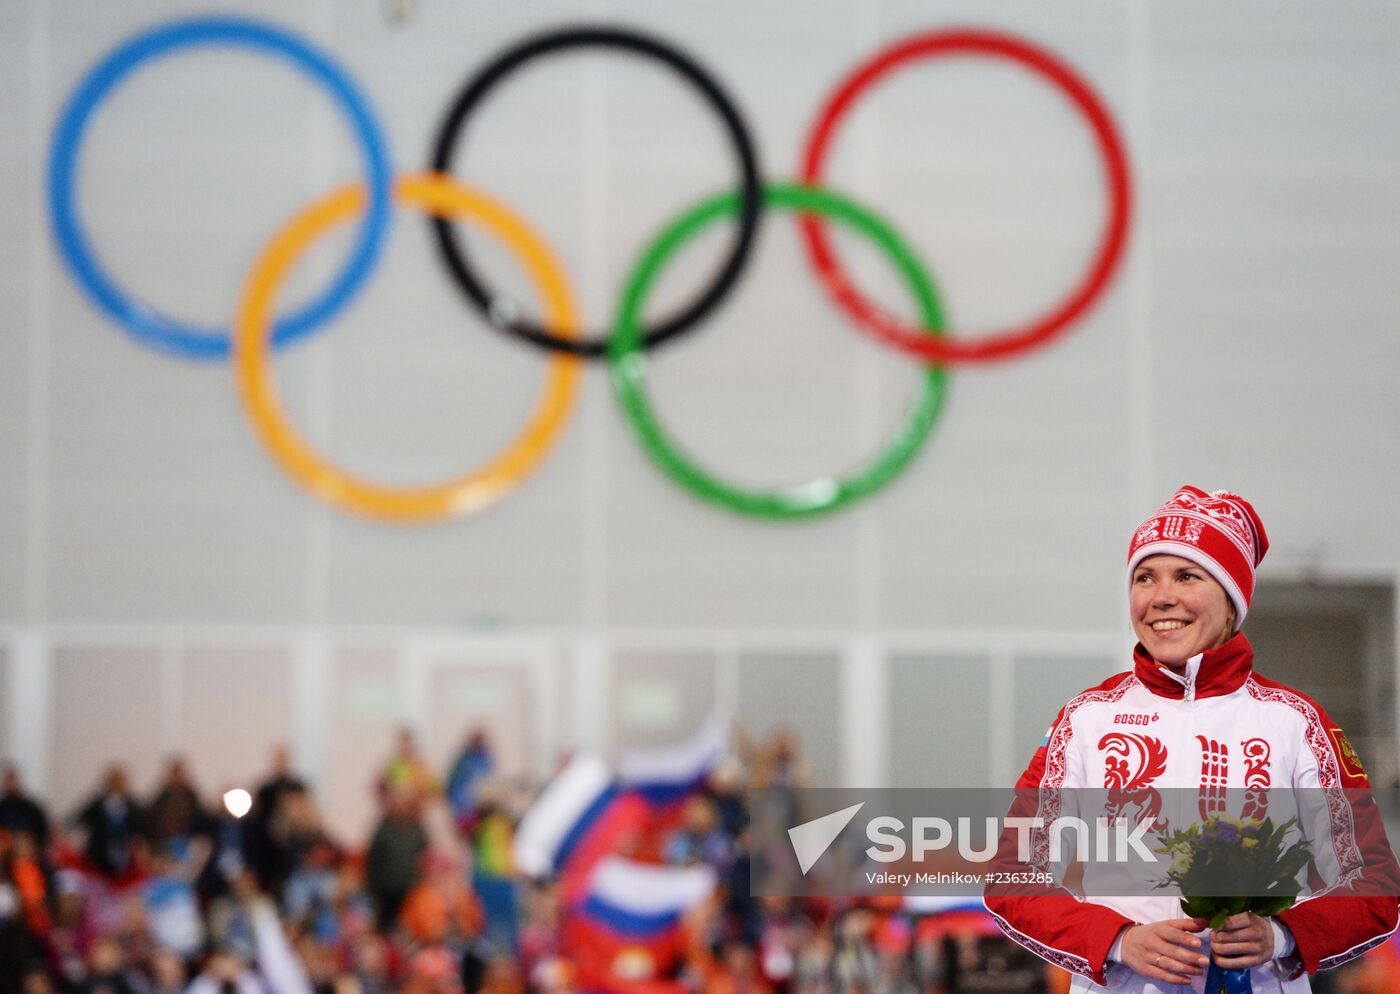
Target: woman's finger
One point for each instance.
(1172, 972)
(1238, 962)
(1239, 947)
(1171, 957)
(1188, 924)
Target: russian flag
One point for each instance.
(949, 915)
(666, 774)
(937, 904)
(580, 817)
(643, 900)
(627, 931)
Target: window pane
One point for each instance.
(660, 696)
(799, 691)
(939, 720)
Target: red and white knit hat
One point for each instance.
(1219, 530)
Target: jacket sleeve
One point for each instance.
(1355, 907)
(1057, 925)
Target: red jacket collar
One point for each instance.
(1223, 670)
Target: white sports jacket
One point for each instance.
(1222, 727)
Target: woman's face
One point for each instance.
(1178, 610)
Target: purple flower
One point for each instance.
(1227, 833)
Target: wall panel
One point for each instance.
(235, 705)
(106, 710)
(933, 743)
(367, 708)
(797, 692)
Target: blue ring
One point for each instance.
(143, 321)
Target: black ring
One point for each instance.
(501, 314)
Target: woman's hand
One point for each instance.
(1166, 951)
(1246, 940)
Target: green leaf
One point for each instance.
(1269, 906)
(1198, 907)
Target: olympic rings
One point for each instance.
(444, 198)
(1112, 241)
(455, 257)
(454, 498)
(816, 496)
(141, 320)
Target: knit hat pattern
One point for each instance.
(1219, 531)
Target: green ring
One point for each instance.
(816, 496)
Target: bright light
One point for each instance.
(238, 802)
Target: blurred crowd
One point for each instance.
(173, 891)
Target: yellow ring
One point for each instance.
(458, 497)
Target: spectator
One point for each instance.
(107, 970)
(554, 975)
(114, 823)
(225, 972)
(699, 837)
(541, 937)
(370, 964)
(736, 973)
(280, 779)
(19, 812)
(81, 931)
(312, 889)
(176, 813)
(778, 772)
(26, 874)
(171, 906)
(228, 841)
(470, 770)
(780, 940)
(272, 966)
(780, 765)
(433, 971)
(407, 770)
(131, 929)
(440, 908)
(727, 784)
(398, 844)
(34, 977)
(502, 977)
(263, 845)
(298, 827)
(493, 873)
(168, 973)
(318, 959)
(354, 908)
(15, 939)
(74, 931)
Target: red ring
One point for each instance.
(1043, 328)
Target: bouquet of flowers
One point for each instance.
(1226, 866)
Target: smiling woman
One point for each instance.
(1210, 725)
(1178, 609)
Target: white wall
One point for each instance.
(1249, 342)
